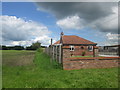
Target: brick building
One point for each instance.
(66, 49)
(76, 46)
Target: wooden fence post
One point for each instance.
(53, 53)
(56, 52)
(60, 53)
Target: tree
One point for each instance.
(34, 46)
(4, 47)
(18, 48)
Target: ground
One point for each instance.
(28, 69)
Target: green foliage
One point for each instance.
(11, 47)
(82, 56)
(40, 50)
(83, 53)
(34, 46)
(46, 73)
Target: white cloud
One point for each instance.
(104, 24)
(111, 36)
(111, 39)
(17, 31)
(73, 22)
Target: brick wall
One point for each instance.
(69, 64)
(77, 51)
(96, 52)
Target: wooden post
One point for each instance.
(53, 53)
(56, 53)
(93, 51)
(60, 53)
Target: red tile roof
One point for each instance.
(72, 39)
(58, 42)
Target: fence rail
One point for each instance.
(108, 53)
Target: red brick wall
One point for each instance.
(77, 51)
(78, 63)
(70, 65)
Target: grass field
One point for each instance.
(39, 72)
(81, 56)
(85, 56)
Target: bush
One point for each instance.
(40, 50)
(83, 53)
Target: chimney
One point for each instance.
(51, 41)
(62, 33)
(61, 37)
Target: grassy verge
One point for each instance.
(44, 73)
(82, 56)
(85, 56)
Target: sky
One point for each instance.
(24, 23)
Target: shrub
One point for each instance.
(83, 53)
(40, 50)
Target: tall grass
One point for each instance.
(44, 73)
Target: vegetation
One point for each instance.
(83, 53)
(45, 73)
(17, 57)
(82, 56)
(34, 46)
(86, 56)
(11, 47)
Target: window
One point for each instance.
(72, 48)
(81, 47)
(90, 48)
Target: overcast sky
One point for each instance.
(26, 22)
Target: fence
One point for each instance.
(108, 51)
(55, 52)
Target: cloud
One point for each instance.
(113, 37)
(87, 10)
(109, 23)
(102, 16)
(73, 22)
(17, 31)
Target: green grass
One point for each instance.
(82, 56)
(43, 73)
(17, 58)
(85, 56)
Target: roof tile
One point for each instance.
(72, 39)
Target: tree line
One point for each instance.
(34, 46)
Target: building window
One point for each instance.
(81, 47)
(90, 48)
(72, 48)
